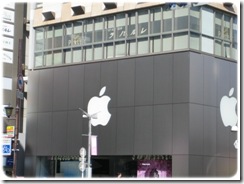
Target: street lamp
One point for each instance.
(8, 111)
(90, 117)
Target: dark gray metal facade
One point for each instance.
(164, 104)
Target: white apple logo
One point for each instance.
(99, 106)
(228, 110)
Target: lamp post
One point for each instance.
(90, 117)
(8, 111)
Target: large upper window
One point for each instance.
(181, 19)
(207, 21)
(143, 19)
(109, 28)
(120, 26)
(155, 16)
(98, 33)
(131, 24)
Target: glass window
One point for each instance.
(131, 47)
(131, 25)
(195, 41)
(88, 31)
(98, 52)
(195, 18)
(39, 39)
(217, 47)
(67, 34)
(88, 53)
(120, 26)
(108, 50)
(48, 37)
(226, 25)
(234, 31)
(67, 56)
(143, 19)
(167, 42)
(48, 58)
(218, 20)
(155, 44)
(207, 44)
(181, 19)
(120, 49)
(77, 37)
(38, 59)
(57, 57)
(226, 49)
(143, 46)
(58, 36)
(98, 33)
(77, 55)
(167, 21)
(155, 20)
(109, 28)
(180, 41)
(234, 51)
(207, 21)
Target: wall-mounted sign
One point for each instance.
(8, 29)
(20, 82)
(99, 106)
(8, 43)
(10, 5)
(10, 131)
(93, 145)
(7, 56)
(228, 112)
(8, 16)
(7, 146)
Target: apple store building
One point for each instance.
(154, 88)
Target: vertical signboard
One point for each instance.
(7, 146)
(93, 145)
(10, 131)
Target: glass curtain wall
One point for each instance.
(144, 31)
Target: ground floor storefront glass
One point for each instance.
(140, 166)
